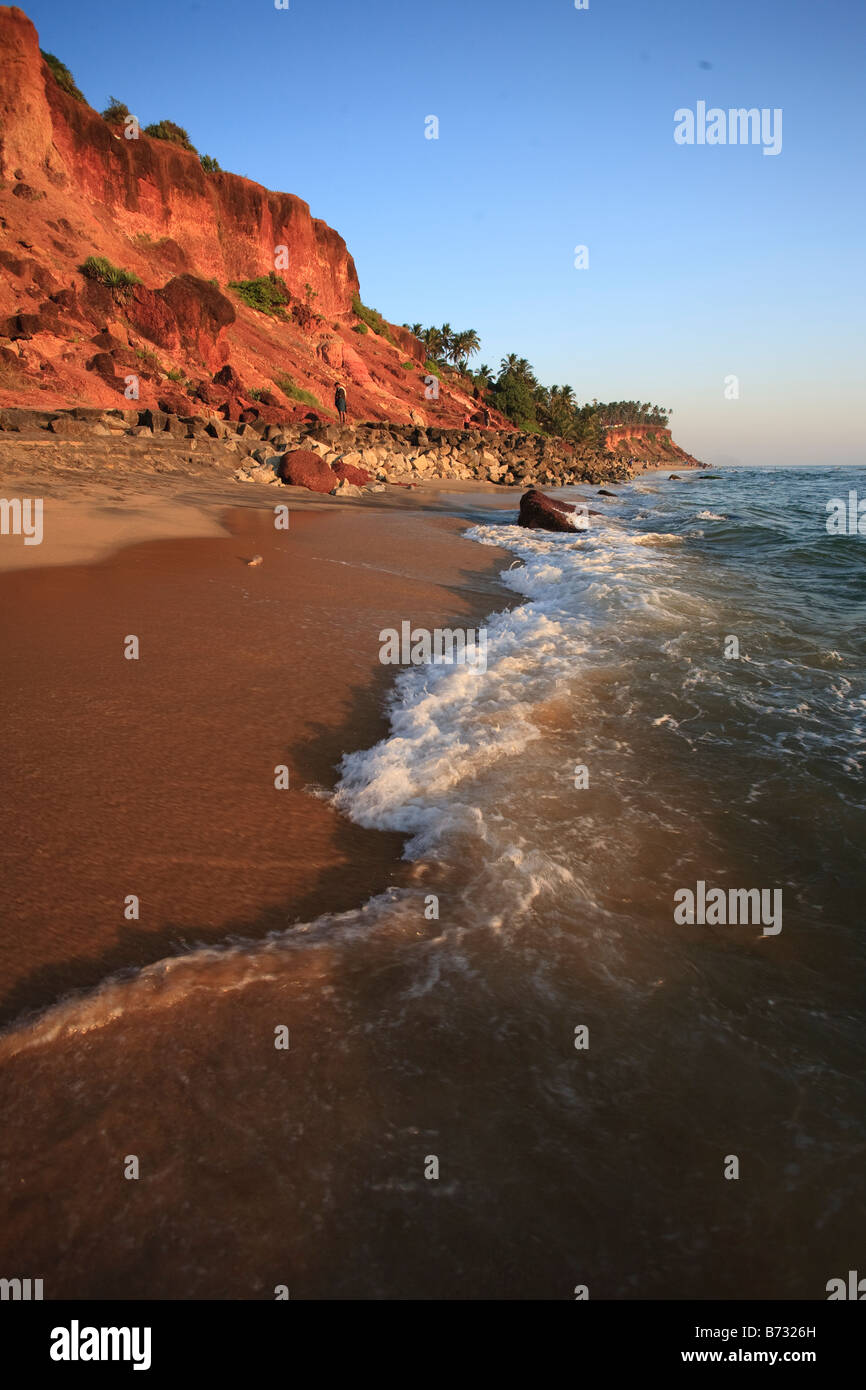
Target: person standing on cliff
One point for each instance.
(340, 402)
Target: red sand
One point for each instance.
(156, 777)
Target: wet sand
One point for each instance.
(155, 777)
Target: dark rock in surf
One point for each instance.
(541, 513)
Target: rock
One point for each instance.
(103, 364)
(541, 513)
(201, 313)
(210, 395)
(176, 427)
(173, 401)
(345, 489)
(228, 378)
(107, 342)
(68, 427)
(256, 560)
(674, 478)
(603, 492)
(25, 326)
(349, 473)
(144, 309)
(65, 299)
(155, 420)
(16, 419)
(303, 468)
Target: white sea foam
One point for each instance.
(450, 726)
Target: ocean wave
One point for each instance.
(657, 538)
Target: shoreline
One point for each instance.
(190, 533)
(163, 769)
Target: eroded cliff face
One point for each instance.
(228, 227)
(647, 444)
(72, 186)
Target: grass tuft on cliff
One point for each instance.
(98, 268)
(63, 77)
(295, 393)
(373, 319)
(209, 164)
(175, 134)
(269, 294)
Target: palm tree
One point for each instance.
(509, 364)
(467, 343)
(432, 338)
(524, 370)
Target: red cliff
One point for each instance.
(72, 186)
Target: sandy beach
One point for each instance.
(156, 777)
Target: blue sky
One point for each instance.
(555, 130)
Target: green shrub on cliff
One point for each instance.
(295, 393)
(373, 319)
(116, 111)
(98, 268)
(269, 294)
(62, 76)
(209, 164)
(175, 134)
